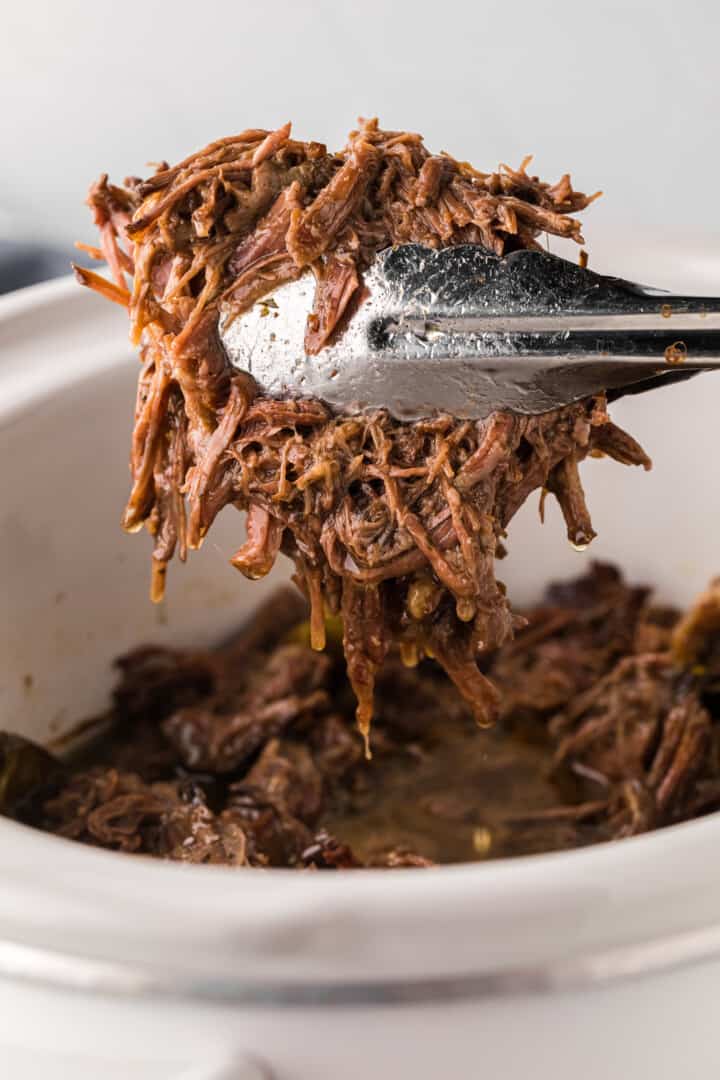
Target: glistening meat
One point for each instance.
(395, 526)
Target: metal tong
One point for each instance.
(467, 332)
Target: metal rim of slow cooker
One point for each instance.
(49, 968)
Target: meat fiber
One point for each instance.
(396, 526)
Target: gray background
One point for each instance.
(625, 95)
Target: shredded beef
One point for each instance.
(395, 526)
(120, 811)
(570, 641)
(643, 732)
(226, 729)
(247, 755)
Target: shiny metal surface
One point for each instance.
(464, 331)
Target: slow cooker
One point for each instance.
(592, 963)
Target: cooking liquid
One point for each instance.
(462, 795)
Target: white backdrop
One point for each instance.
(625, 93)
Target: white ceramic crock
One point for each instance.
(596, 963)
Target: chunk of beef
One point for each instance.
(225, 731)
